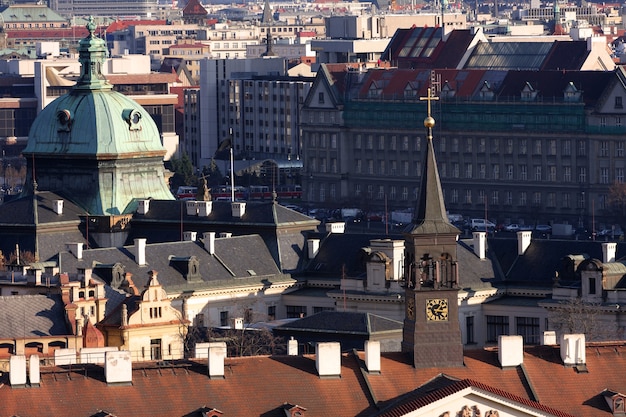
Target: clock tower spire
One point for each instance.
(431, 332)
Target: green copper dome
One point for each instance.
(96, 145)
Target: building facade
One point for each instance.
(536, 148)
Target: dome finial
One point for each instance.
(91, 26)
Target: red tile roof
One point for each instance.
(261, 385)
(124, 24)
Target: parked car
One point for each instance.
(543, 228)
(482, 225)
(514, 227)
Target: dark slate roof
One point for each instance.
(32, 316)
(475, 273)
(18, 221)
(239, 260)
(551, 84)
(341, 252)
(343, 322)
(566, 56)
(538, 265)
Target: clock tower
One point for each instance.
(431, 333)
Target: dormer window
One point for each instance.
(373, 91)
(410, 91)
(486, 93)
(571, 93)
(447, 91)
(528, 93)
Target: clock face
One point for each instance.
(437, 309)
(410, 308)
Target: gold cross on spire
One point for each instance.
(428, 98)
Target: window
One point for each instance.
(523, 172)
(381, 192)
(495, 170)
(357, 142)
(370, 142)
(320, 98)
(551, 200)
(454, 198)
(538, 173)
(482, 171)
(604, 175)
(592, 285)
(522, 198)
(552, 147)
(567, 174)
(604, 148)
(392, 193)
(618, 102)
(455, 145)
(468, 196)
(619, 149)
(552, 173)
(495, 145)
(565, 200)
(468, 145)
(393, 143)
(405, 168)
(405, 193)
(537, 147)
(522, 147)
(468, 171)
(370, 166)
(357, 166)
(619, 175)
(497, 326)
(381, 142)
(582, 148)
(223, 318)
(582, 174)
(567, 147)
(509, 198)
(481, 197)
(481, 145)
(295, 312)
(495, 197)
(528, 328)
(469, 330)
(381, 167)
(509, 172)
(509, 146)
(405, 143)
(536, 198)
(198, 320)
(455, 170)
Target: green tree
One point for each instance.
(183, 172)
(212, 173)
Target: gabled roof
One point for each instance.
(124, 24)
(566, 56)
(194, 8)
(509, 55)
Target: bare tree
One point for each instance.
(577, 316)
(617, 203)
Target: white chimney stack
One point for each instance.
(217, 353)
(480, 244)
(608, 252)
(510, 351)
(573, 349)
(143, 206)
(34, 376)
(140, 251)
(238, 209)
(17, 370)
(118, 367)
(328, 359)
(76, 249)
(209, 242)
(523, 241)
(64, 357)
(372, 356)
(313, 246)
(226, 234)
(548, 337)
(192, 208)
(190, 236)
(57, 206)
(292, 347)
(204, 208)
